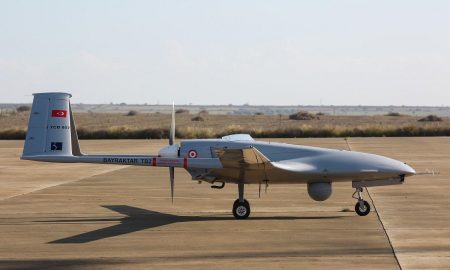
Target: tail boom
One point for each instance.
(135, 160)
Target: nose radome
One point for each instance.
(380, 164)
(407, 170)
(395, 166)
(401, 168)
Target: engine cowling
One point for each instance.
(169, 151)
(319, 191)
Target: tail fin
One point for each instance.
(51, 129)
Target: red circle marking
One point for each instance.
(192, 154)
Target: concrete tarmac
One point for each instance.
(88, 216)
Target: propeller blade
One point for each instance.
(171, 142)
(172, 126)
(172, 181)
(259, 191)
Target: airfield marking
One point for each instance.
(378, 215)
(384, 229)
(62, 183)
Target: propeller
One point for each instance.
(171, 141)
(172, 126)
(171, 151)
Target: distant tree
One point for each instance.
(198, 119)
(302, 115)
(431, 118)
(259, 113)
(23, 108)
(181, 111)
(132, 113)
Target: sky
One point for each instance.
(359, 52)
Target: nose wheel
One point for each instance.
(241, 207)
(362, 207)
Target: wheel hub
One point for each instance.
(241, 210)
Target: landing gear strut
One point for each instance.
(362, 207)
(241, 207)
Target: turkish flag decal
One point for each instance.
(59, 113)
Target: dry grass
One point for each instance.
(156, 125)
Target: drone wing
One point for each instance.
(241, 163)
(241, 158)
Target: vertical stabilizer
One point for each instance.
(51, 130)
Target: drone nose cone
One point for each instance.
(407, 170)
(392, 167)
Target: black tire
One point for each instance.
(237, 201)
(241, 210)
(362, 212)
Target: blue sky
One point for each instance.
(221, 52)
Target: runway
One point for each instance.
(88, 216)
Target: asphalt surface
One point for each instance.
(88, 216)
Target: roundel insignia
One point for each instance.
(192, 154)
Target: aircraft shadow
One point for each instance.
(137, 219)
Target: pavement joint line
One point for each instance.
(59, 184)
(384, 229)
(378, 215)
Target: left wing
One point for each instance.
(247, 163)
(241, 158)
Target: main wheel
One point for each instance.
(362, 210)
(237, 201)
(241, 210)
